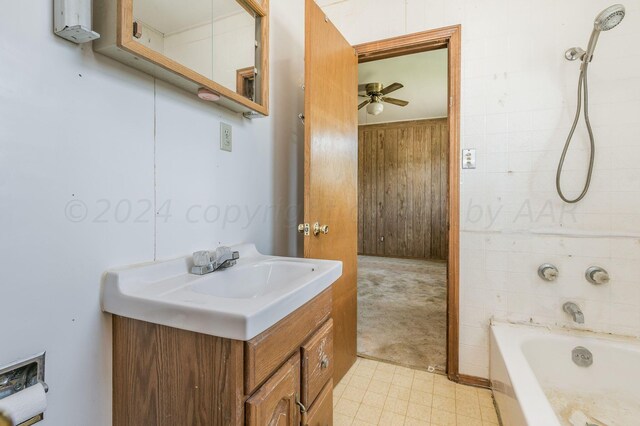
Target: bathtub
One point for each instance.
(535, 381)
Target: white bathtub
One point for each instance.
(536, 383)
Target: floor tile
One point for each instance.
(378, 386)
(369, 414)
(375, 393)
(377, 400)
(443, 403)
(383, 375)
(341, 420)
(401, 380)
(399, 392)
(489, 414)
(347, 408)
(409, 421)
(419, 397)
(360, 382)
(442, 418)
(389, 418)
(468, 421)
(418, 411)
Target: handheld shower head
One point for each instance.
(606, 20)
(609, 18)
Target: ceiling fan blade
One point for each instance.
(392, 88)
(362, 87)
(364, 96)
(365, 103)
(395, 101)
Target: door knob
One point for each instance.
(320, 229)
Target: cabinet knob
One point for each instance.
(324, 363)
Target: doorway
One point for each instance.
(408, 243)
(330, 165)
(403, 164)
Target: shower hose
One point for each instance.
(583, 87)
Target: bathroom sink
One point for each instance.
(237, 303)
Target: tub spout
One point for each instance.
(575, 312)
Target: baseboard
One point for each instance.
(479, 382)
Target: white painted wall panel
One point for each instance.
(76, 127)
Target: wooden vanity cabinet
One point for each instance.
(275, 403)
(167, 376)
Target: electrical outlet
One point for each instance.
(468, 158)
(226, 137)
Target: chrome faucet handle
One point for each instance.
(205, 262)
(597, 275)
(202, 258)
(548, 272)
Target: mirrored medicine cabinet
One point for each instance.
(216, 48)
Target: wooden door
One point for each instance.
(331, 167)
(274, 404)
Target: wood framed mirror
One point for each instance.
(207, 44)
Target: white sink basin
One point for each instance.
(237, 303)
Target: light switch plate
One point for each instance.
(226, 137)
(468, 158)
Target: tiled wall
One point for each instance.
(518, 100)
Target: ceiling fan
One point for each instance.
(376, 93)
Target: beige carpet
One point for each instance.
(402, 311)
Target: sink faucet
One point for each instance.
(575, 312)
(205, 262)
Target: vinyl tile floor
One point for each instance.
(377, 393)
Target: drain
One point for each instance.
(581, 356)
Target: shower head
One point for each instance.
(606, 20)
(609, 18)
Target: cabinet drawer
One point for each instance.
(317, 362)
(267, 351)
(275, 402)
(321, 413)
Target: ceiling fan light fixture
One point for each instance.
(375, 108)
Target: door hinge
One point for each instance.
(450, 101)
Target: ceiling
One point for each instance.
(170, 16)
(424, 76)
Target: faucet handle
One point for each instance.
(202, 258)
(597, 275)
(548, 272)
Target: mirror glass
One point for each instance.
(215, 38)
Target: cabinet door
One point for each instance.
(321, 413)
(317, 363)
(274, 404)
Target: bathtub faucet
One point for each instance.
(575, 312)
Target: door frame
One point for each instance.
(450, 38)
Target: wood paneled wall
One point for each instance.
(402, 189)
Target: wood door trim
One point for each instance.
(407, 44)
(478, 382)
(449, 37)
(404, 123)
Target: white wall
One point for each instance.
(518, 99)
(424, 76)
(77, 128)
